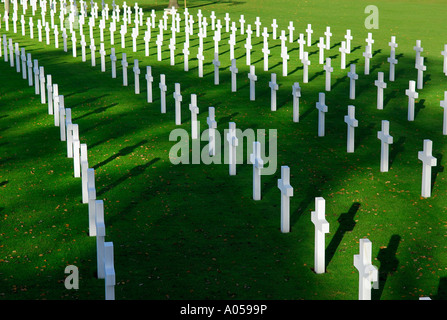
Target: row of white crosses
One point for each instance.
(274, 87)
(367, 272)
(69, 132)
(257, 165)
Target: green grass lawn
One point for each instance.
(193, 231)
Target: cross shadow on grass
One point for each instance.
(388, 264)
(346, 224)
(396, 148)
(123, 152)
(136, 171)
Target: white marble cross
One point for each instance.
(285, 57)
(322, 109)
(109, 271)
(443, 104)
(421, 68)
(368, 55)
(149, 80)
(113, 60)
(84, 173)
(309, 35)
(248, 46)
(412, 94)
(172, 51)
(233, 71)
(258, 27)
(178, 104)
(444, 54)
(242, 22)
(212, 125)
(428, 161)
(124, 64)
(200, 59)
(386, 140)
(233, 142)
(73, 44)
(216, 64)
(380, 84)
(42, 85)
(56, 105)
(23, 58)
(163, 89)
(321, 228)
(296, 94)
(286, 192)
(232, 43)
(301, 43)
(36, 76)
(291, 29)
(76, 149)
(370, 40)
(306, 63)
(273, 88)
(348, 38)
(418, 50)
(92, 51)
(100, 236)
(258, 164)
(265, 50)
(102, 53)
(352, 76)
(392, 59)
(50, 94)
(327, 67)
(322, 47)
(328, 35)
(83, 44)
(343, 51)
(136, 71)
(352, 123)
(253, 78)
(186, 56)
(367, 272)
(274, 28)
(194, 112)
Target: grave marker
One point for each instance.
(352, 123)
(124, 64)
(296, 94)
(386, 140)
(380, 84)
(194, 112)
(163, 89)
(367, 272)
(233, 143)
(233, 71)
(273, 88)
(149, 80)
(352, 76)
(136, 71)
(258, 164)
(428, 161)
(327, 67)
(321, 228)
(212, 125)
(253, 78)
(421, 68)
(286, 192)
(178, 99)
(412, 94)
(322, 109)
